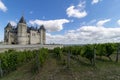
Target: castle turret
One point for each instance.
(7, 30)
(22, 31)
(42, 31)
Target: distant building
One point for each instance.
(22, 34)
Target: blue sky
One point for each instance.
(66, 21)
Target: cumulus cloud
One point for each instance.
(86, 35)
(13, 23)
(77, 11)
(118, 22)
(95, 1)
(2, 6)
(102, 22)
(54, 38)
(50, 25)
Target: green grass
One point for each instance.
(79, 70)
(103, 70)
(22, 73)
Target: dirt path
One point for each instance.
(52, 71)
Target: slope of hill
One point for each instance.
(53, 70)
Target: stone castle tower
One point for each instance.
(23, 35)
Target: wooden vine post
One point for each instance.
(118, 51)
(1, 71)
(37, 61)
(68, 59)
(94, 55)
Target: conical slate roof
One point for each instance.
(8, 25)
(22, 20)
(42, 27)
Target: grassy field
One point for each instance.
(80, 69)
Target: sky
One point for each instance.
(66, 21)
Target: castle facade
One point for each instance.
(23, 35)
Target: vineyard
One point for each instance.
(72, 60)
(11, 59)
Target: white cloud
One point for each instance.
(54, 38)
(13, 23)
(2, 6)
(50, 25)
(102, 22)
(76, 11)
(95, 1)
(86, 35)
(118, 22)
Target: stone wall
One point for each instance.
(27, 47)
(34, 37)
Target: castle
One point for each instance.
(23, 35)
